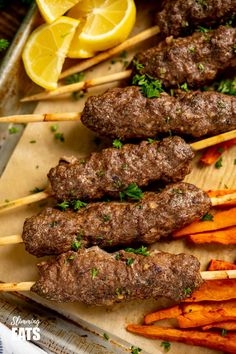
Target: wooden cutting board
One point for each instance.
(28, 168)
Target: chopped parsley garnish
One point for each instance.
(117, 144)
(177, 191)
(71, 257)
(94, 272)
(132, 191)
(142, 250)
(32, 141)
(135, 350)
(123, 54)
(106, 336)
(76, 95)
(187, 291)
(13, 130)
(227, 86)
(192, 49)
(72, 79)
(129, 261)
(150, 87)
(184, 87)
(224, 332)
(203, 29)
(201, 67)
(106, 218)
(63, 206)
(117, 256)
(4, 44)
(77, 204)
(75, 246)
(218, 163)
(150, 141)
(203, 3)
(54, 128)
(207, 217)
(137, 65)
(36, 190)
(60, 136)
(166, 345)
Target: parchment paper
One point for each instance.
(27, 169)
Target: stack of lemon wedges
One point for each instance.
(89, 26)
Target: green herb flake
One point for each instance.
(135, 350)
(123, 54)
(177, 191)
(75, 246)
(78, 204)
(60, 137)
(13, 130)
(76, 95)
(94, 272)
(106, 218)
(117, 257)
(184, 87)
(117, 144)
(4, 44)
(132, 191)
(32, 141)
(201, 67)
(218, 163)
(150, 141)
(142, 250)
(203, 29)
(150, 87)
(227, 86)
(192, 49)
(106, 336)
(129, 261)
(54, 128)
(36, 190)
(203, 3)
(207, 217)
(71, 257)
(137, 65)
(187, 291)
(166, 345)
(63, 206)
(224, 332)
(72, 79)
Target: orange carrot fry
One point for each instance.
(223, 237)
(171, 312)
(227, 325)
(221, 220)
(213, 153)
(197, 314)
(220, 265)
(204, 339)
(220, 192)
(214, 290)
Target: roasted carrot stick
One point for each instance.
(223, 237)
(204, 339)
(197, 314)
(214, 290)
(221, 220)
(170, 312)
(216, 264)
(214, 152)
(227, 325)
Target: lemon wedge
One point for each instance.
(46, 49)
(104, 24)
(53, 9)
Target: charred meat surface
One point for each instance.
(95, 277)
(178, 15)
(125, 113)
(195, 60)
(108, 224)
(112, 170)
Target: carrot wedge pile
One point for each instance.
(207, 318)
(214, 152)
(216, 264)
(192, 337)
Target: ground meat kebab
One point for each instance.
(112, 170)
(95, 277)
(195, 60)
(177, 16)
(125, 113)
(108, 224)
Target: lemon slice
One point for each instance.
(46, 49)
(104, 24)
(53, 9)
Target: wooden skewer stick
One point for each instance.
(6, 206)
(195, 146)
(47, 117)
(83, 85)
(86, 64)
(208, 275)
(14, 239)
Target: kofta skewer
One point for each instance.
(170, 162)
(196, 60)
(95, 277)
(125, 113)
(108, 224)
